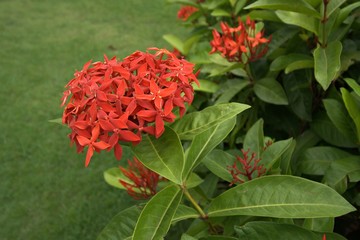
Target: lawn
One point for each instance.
(46, 192)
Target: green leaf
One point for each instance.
(156, 217)
(269, 90)
(271, 230)
(218, 161)
(319, 224)
(345, 12)
(302, 20)
(280, 197)
(193, 180)
(303, 64)
(324, 128)
(339, 170)
(229, 89)
(280, 37)
(220, 13)
(122, 225)
(353, 108)
(175, 42)
(254, 138)
(331, 7)
(222, 70)
(166, 161)
(267, 15)
(206, 86)
(205, 142)
(184, 212)
(273, 153)
(354, 85)
(339, 116)
(57, 120)
(197, 122)
(327, 63)
(299, 6)
(112, 177)
(184, 2)
(190, 42)
(315, 160)
(286, 163)
(283, 61)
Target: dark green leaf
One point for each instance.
(327, 63)
(270, 231)
(331, 7)
(220, 13)
(156, 217)
(273, 153)
(230, 89)
(184, 212)
(283, 61)
(302, 20)
(218, 161)
(206, 86)
(271, 91)
(353, 109)
(345, 12)
(167, 161)
(197, 122)
(263, 15)
(319, 224)
(280, 197)
(354, 85)
(299, 65)
(254, 138)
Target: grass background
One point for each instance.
(45, 191)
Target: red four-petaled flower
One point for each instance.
(115, 101)
(240, 44)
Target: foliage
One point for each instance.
(270, 145)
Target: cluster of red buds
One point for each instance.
(247, 166)
(115, 101)
(185, 12)
(143, 181)
(240, 44)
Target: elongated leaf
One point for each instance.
(205, 142)
(354, 85)
(175, 42)
(331, 7)
(339, 170)
(271, 230)
(345, 12)
(353, 108)
(206, 86)
(57, 120)
(287, 164)
(319, 224)
(156, 217)
(340, 118)
(271, 91)
(220, 13)
(254, 138)
(280, 197)
(267, 15)
(122, 225)
(305, 21)
(218, 161)
(185, 2)
(193, 180)
(327, 63)
(280, 37)
(283, 61)
(184, 212)
(273, 153)
(190, 42)
(292, 6)
(112, 177)
(195, 123)
(230, 89)
(167, 161)
(299, 65)
(315, 160)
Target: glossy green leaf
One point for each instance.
(283, 61)
(353, 108)
(156, 217)
(270, 230)
(273, 153)
(298, 19)
(292, 6)
(267, 15)
(280, 197)
(287, 164)
(112, 177)
(315, 160)
(218, 161)
(193, 180)
(122, 225)
(205, 142)
(339, 170)
(184, 212)
(339, 116)
(206, 86)
(167, 161)
(220, 13)
(324, 128)
(354, 85)
(345, 12)
(221, 70)
(254, 138)
(302, 64)
(229, 89)
(331, 7)
(319, 224)
(269, 90)
(327, 63)
(175, 42)
(197, 122)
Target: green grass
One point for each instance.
(46, 193)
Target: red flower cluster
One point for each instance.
(249, 165)
(185, 12)
(143, 181)
(240, 44)
(115, 101)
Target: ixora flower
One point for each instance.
(115, 101)
(247, 167)
(185, 12)
(142, 181)
(241, 43)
